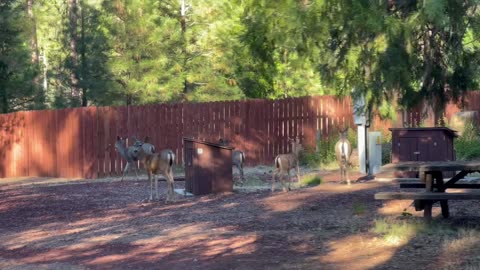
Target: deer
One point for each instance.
(157, 163)
(130, 154)
(238, 159)
(343, 150)
(285, 162)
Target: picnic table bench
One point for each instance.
(431, 179)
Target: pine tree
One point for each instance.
(411, 50)
(17, 90)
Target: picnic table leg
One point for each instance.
(441, 188)
(445, 210)
(427, 212)
(428, 182)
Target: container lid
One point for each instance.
(208, 143)
(452, 132)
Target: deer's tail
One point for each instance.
(243, 157)
(171, 158)
(277, 162)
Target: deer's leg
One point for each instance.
(235, 180)
(151, 185)
(136, 171)
(125, 170)
(298, 173)
(283, 181)
(346, 173)
(170, 188)
(289, 180)
(273, 179)
(167, 179)
(172, 184)
(157, 197)
(242, 177)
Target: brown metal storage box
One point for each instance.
(422, 144)
(208, 167)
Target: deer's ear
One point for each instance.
(118, 138)
(147, 139)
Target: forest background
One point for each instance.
(71, 53)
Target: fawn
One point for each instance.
(157, 163)
(285, 162)
(130, 154)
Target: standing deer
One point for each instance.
(343, 150)
(285, 162)
(238, 159)
(156, 163)
(130, 154)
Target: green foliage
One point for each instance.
(467, 147)
(397, 231)
(273, 41)
(410, 53)
(311, 180)
(325, 154)
(386, 153)
(18, 90)
(387, 148)
(359, 208)
(146, 51)
(352, 138)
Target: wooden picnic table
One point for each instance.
(431, 178)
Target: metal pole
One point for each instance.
(367, 159)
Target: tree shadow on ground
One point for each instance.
(109, 225)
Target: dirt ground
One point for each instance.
(108, 224)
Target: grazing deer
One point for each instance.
(156, 163)
(343, 150)
(238, 159)
(285, 162)
(130, 154)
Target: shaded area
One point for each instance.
(109, 225)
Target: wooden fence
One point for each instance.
(78, 143)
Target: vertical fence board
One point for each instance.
(80, 142)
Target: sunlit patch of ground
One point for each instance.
(102, 224)
(357, 252)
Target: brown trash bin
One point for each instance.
(422, 144)
(208, 167)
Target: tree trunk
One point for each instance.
(73, 42)
(183, 25)
(428, 114)
(4, 108)
(432, 113)
(33, 38)
(82, 55)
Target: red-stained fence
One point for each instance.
(78, 143)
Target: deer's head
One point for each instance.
(131, 152)
(120, 144)
(296, 145)
(145, 145)
(343, 133)
(223, 141)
